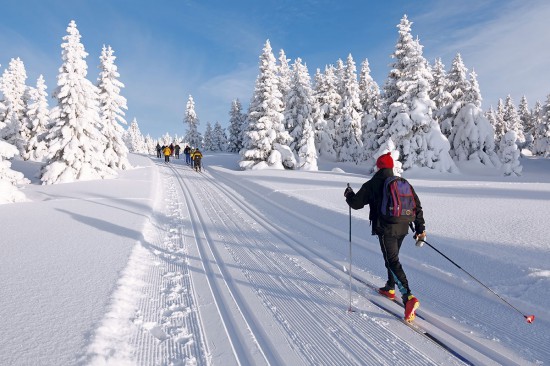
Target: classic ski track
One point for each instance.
(323, 346)
(231, 308)
(482, 349)
(170, 324)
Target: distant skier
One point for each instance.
(159, 150)
(177, 151)
(197, 158)
(187, 152)
(167, 152)
(390, 235)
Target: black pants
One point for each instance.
(166, 158)
(390, 246)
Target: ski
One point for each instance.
(415, 327)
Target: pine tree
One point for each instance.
(75, 143)
(328, 101)
(193, 136)
(285, 78)
(37, 115)
(267, 139)
(499, 123)
(527, 123)
(207, 139)
(349, 145)
(457, 86)
(409, 121)
(542, 129)
(439, 90)
(219, 138)
(13, 88)
(369, 97)
(509, 154)
(513, 122)
(236, 125)
(134, 140)
(111, 105)
(150, 145)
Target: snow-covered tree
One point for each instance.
(371, 104)
(112, 106)
(219, 138)
(457, 86)
(192, 136)
(349, 144)
(13, 88)
(266, 135)
(526, 118)
(37, 116)
(409, 121)
(236, 125)
(541, 143)
(512, 121)
(150, 145)
(134, 139)
(285, 78)
(509, 154)
(76, 145)
(498, 123)
(328, 101)
(207, 138)
(440, 90)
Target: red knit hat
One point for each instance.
(384, 161)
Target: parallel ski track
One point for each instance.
(353, 348)
(329, 265)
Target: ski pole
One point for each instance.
(350, 276)
(528, 318)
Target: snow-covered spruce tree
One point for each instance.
(409, 121)
(439, 90)
(457, 86)
(472, 136)
(371, 105)
(509, 154)
(541, 143)
(13, 88)
(76, 145)
(112, 106)
(192, 136)
(236, 124)
(499, 123)
(134, 139)
(526, 118)
(207, 139)
(299, 112)
(349, 145)
(150, 145)
(299, 103)
(267, 140)
(285, 78)
(37, 115)
(219, 138)
(328, 101)
(513, 122)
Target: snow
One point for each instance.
(163, 265)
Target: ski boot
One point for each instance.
(387, 291)
(411, 304)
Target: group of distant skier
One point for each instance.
(193, 156)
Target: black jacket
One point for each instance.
(371, 194)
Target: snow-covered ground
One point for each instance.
(166, 266)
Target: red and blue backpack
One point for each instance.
(398, 203)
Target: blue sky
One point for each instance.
(167, 50)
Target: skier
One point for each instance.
(177, 150)
(187, 152)
(389, 235)
(197, 157)
(158, 150)
(167, 152)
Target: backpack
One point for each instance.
(398, 204)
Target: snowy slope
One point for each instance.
(168, 266)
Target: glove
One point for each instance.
(420, 239)
(348, 192)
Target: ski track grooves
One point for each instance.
(318, 336)
(484, 350)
